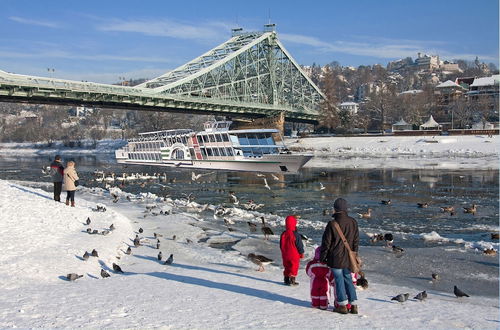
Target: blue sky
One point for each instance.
(104, 40)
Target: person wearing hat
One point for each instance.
(69, 183)
(335, 254)
(57, 172)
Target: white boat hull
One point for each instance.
(268, 163)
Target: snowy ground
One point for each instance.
(42, 241)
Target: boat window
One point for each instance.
(191, 152)
(266, 139)
(234, 139)
(229, 151)
(247, 152)
(222, 151)
(212, 138)
(203, 152)
(209, 152)
(243, 139)
(225, 138)
(218, 137)
(184, 140)
(216, 152)
(257, 151)
(252, 139)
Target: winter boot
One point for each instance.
(67, 202)
(354, 309)
(341, 309)
(73, 204)
(286, 280)
(292, 281)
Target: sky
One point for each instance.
(105, 41)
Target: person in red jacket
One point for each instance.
(292, 250)
(321, 280)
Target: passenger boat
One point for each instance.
(216, 147)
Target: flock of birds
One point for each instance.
(116, 268)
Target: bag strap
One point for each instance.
(341, 234)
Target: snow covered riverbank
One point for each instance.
(211, 288)
(410, 152)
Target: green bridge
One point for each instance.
(251, 75)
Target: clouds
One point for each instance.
(168, 28)
(380, 47)
(35, 22)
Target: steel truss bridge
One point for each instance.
(251, 75)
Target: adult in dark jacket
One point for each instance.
(335, 254)
(292, 250)
(57, 173)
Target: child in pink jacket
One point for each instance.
(321, 279)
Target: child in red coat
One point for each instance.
(292, 250)
(321, 280)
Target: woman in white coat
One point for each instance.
(70, 176)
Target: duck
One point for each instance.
(471, 209)
(266, 230)
(387, 202)
(447, 209)
(366, 215)
(259, 260)
(495, 235)
(252, 226)
(423, 205)
(490, 252)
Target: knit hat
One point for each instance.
(57, 157)
(340, 204)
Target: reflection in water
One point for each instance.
(302, 194)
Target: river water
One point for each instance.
(437, 236)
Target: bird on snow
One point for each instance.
(94, 253)
(160, 256)
(170, 260)
(129, 250)
(259, 260)
(252, 226)
(86, 256)
(137, 242)
(73, 276)
(112, 227)
(141, 230)
(397, 249)
(88, 221)
(89, 230)
(105, 232)
(421, 296)
(158, 245)
(117, 268)
(435, 277)
(104, 273)
(265, 229)
(95, 231)
(401, 297)
(174, 238)
(228, 221)
(459, 293)
(389, 239)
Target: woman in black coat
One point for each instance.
(335, 255)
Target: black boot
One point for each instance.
(286, 279)
(292, 281)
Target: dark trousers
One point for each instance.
(57, 191)
(70, 195)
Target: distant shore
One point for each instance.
(408, 152)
